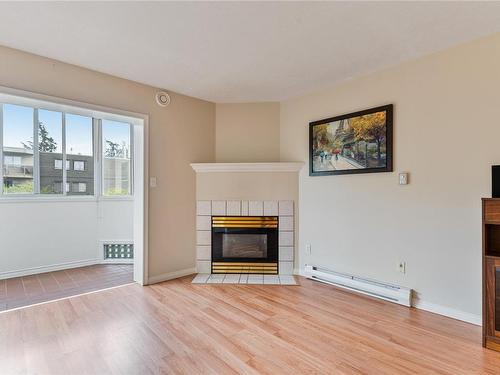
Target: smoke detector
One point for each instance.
(162, 98)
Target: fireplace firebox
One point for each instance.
(245, 244)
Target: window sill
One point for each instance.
(51, 199)
(46, 198)
(116, 198)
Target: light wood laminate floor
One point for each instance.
(182, 328)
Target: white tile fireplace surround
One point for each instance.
(283, 209)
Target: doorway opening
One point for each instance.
(73, 198)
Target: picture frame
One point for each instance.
(353, 143)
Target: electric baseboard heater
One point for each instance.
(377, 289)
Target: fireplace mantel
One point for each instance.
(247, 167)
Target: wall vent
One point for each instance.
(118, 251)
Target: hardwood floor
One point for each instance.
(28, 290)
(182, 328)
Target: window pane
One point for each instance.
(79, 165)
(79, 187)
(50, 147)
(17, 149)
(116, 159)
(79, 149)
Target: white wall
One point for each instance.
(115, 220)
(45, 235)
(446, 134)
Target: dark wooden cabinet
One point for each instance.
(491, 273)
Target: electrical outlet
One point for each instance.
(402, 267)
(308, 249)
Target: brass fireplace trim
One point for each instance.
(244, 222)
(242, 267)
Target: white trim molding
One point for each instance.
(247, 167)
(171, 275)
(447, 311)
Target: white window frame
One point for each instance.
(36, 155)
(97, 117)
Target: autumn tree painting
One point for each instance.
(370, 128)
(360, 142)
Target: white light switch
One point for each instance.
(403, 178)
(308, 249)
(402, 267)
(152, 182)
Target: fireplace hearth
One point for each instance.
(245, 244)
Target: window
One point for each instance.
(116, 164)
(79, 187)
(17, 149)
(13, 160)
(58, 164)
(36, 142)
(58, 187)
(49, 131)
(80, 151)
(79, 165)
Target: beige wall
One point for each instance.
(247, 186)
(446, 134)
(247, 132)
(180, 134)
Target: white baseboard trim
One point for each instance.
(448, 311)
(50, 268)
(432, 307)
(117, 261)
(171, 275)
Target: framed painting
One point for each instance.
(358, 142)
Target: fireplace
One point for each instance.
(245, 244)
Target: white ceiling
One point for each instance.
(238, 52)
